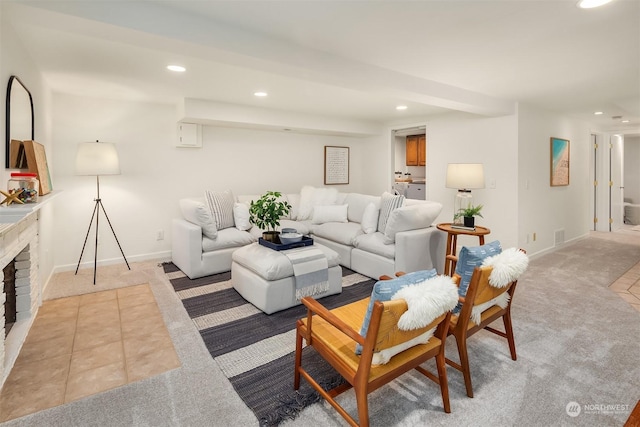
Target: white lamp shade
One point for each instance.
(465, 176)
(97, 158)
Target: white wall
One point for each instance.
(459, 138)
(16, 61)
(544, 209)
(632, 168)
(156, 174)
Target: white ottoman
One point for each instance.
(264, 277)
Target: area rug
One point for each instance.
(254, 350)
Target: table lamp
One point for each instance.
(464, 177)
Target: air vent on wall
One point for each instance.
(189, 135)
(559, 237)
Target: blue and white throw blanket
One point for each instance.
(310, 269)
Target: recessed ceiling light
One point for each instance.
(598, 113)
(401, 107)
(176, 68)
(589, 4)
(260, 94)
(626, 121)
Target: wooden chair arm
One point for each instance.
(314, 307)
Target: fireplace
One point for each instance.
(10, 296)
(20, 298)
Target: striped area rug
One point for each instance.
(254, 350)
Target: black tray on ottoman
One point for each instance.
(306, 241)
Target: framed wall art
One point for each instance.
(560, 162)
(336, 165)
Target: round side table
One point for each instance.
(451, 258)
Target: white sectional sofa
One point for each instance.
(348, 223)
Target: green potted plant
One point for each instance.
(266, 212)
(468, 214)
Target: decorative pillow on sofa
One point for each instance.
(331, 213)
(241, 216)
(311, 197)
(370, 218)
(221, 207)
(411, 217)
(197, 213)
(468, 259)
(384, 290)
(388, 203)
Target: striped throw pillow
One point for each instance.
(221, 207)
(388, 203)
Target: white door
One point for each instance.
(616, 182)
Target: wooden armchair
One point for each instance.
(334, 334)
(462, 326)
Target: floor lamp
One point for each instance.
(464, 177)
(98, 158)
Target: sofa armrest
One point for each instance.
(186, 245)
(421, 249)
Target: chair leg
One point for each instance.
(363, 406)
(442, 380)
(509, 331)
(464, 363)
(298, 361)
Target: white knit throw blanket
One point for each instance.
(310, 269)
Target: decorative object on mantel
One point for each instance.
(11, 197)
(464, 177)
(98, 158)
(266, 212)
(20, 124)
(37, 162)
(25, 183)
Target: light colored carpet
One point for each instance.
(576, 341)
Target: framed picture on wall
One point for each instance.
(559, 162)
(336, 165)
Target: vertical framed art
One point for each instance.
(336, 165)
(560, 162)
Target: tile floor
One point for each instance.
(628, 286)
(85, 344)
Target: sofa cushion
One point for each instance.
(370, 218)
(411, 218)
(241, 216)
(330, 213)
(221, 206)
(388, 203)
(384, 290)
(339, 232)
(311, 196)
(227, 238)
(469, 258)
(196, 212)
(294, 201)
(374, 243)
(358, 204)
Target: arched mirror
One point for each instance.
(20, 123)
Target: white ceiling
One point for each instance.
(350, 59)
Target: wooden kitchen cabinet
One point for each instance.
(416, 154)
